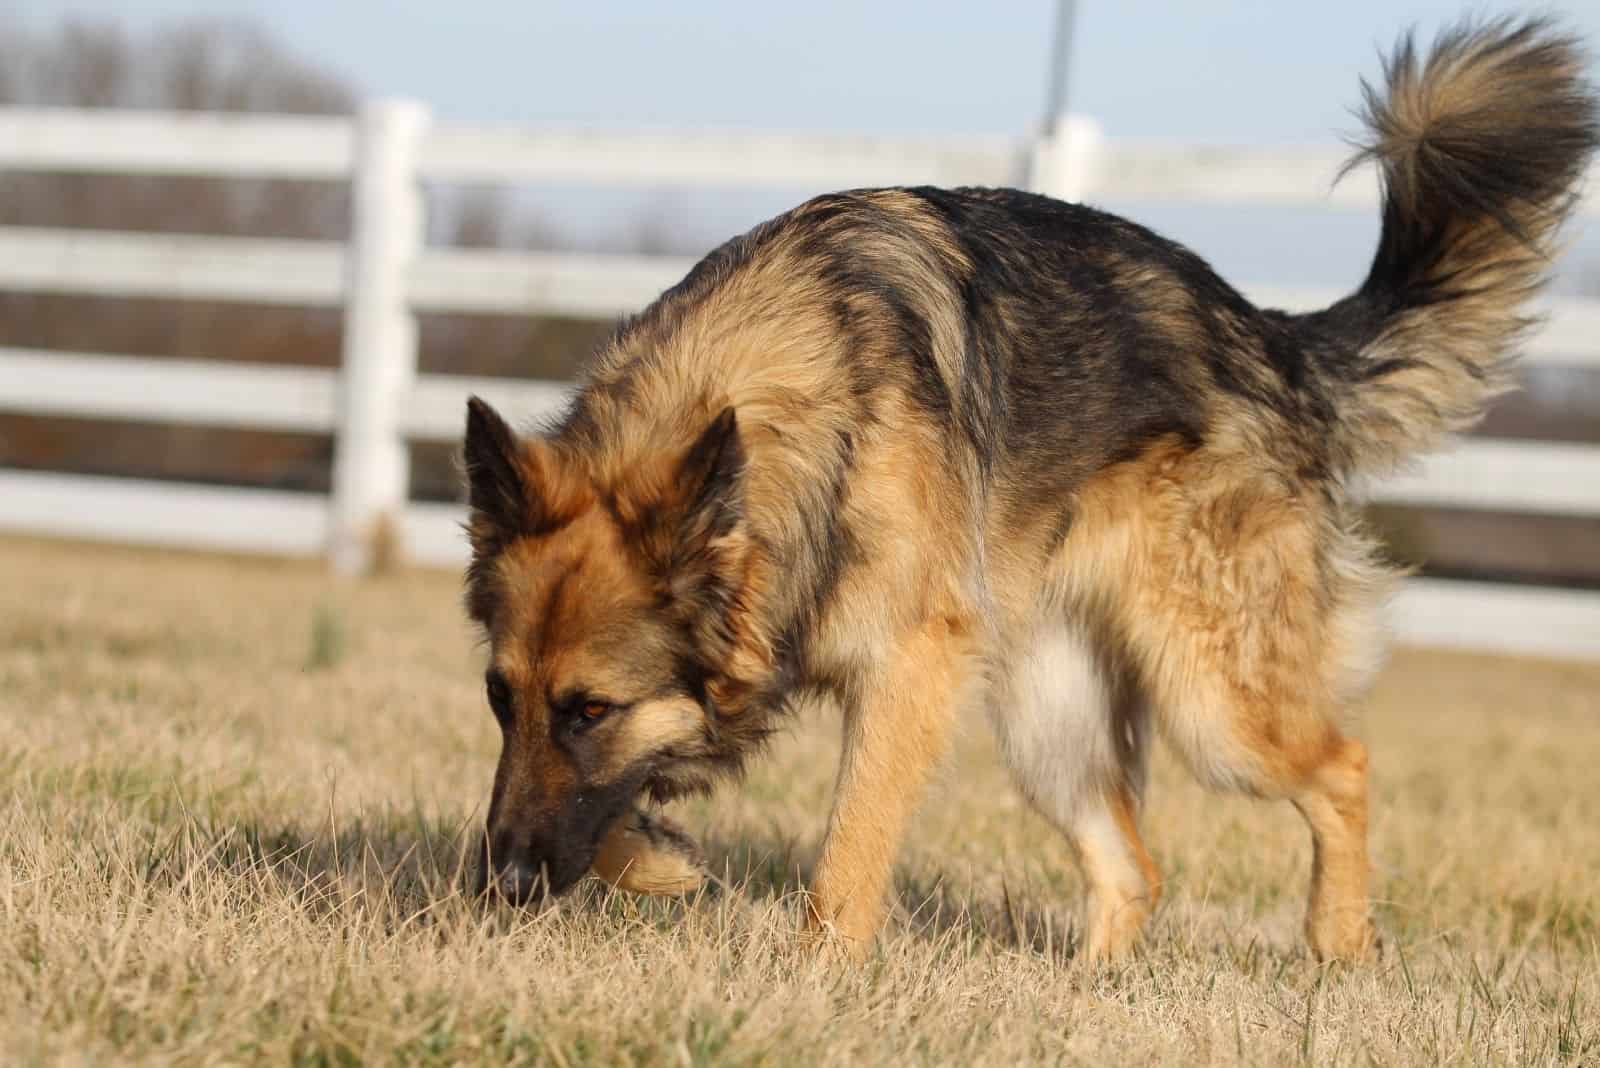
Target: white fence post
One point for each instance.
(371, 470)
(1066, 161)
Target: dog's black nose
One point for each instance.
(520, 883)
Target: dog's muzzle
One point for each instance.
(522, 873)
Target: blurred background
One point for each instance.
(1262, 77)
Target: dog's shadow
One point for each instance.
(931, 904)
(413, 865)
(421, 866)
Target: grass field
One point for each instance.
(234, 797)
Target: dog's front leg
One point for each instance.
(649, 854)
(892, 740)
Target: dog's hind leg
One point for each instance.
(1251, 649)
(1262, 751)
(1075, 743)
(1123, 881)
(1248, 610)
(1333, 800)
(1266, 724)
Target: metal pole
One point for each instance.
(1055, 103)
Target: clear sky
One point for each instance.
(1231, 70)
(1237, 71)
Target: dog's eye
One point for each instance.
(580, 711)
(499, 698)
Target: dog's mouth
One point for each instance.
(529, 882)
(537, 872)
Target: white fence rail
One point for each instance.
(383, 276)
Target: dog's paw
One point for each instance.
(1351, 942)
(648, 854)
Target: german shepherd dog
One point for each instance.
(929, 451)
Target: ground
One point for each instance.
(235, 795)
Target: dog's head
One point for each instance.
(607, 601)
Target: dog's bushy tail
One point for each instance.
(1481, 146)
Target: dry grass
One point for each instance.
(233, 798)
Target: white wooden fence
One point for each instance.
(377, 403)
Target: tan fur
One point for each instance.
(1203, 562)
(1207, 567)
(1124, 884)
(887, 758)
(647, 854)
(650, 725)
(896, 451)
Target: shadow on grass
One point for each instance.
(389, 864)
(402, 865)
(772, 866)
(407, 867)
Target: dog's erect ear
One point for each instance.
(497, 486)
(701, 525)
(711, 478)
